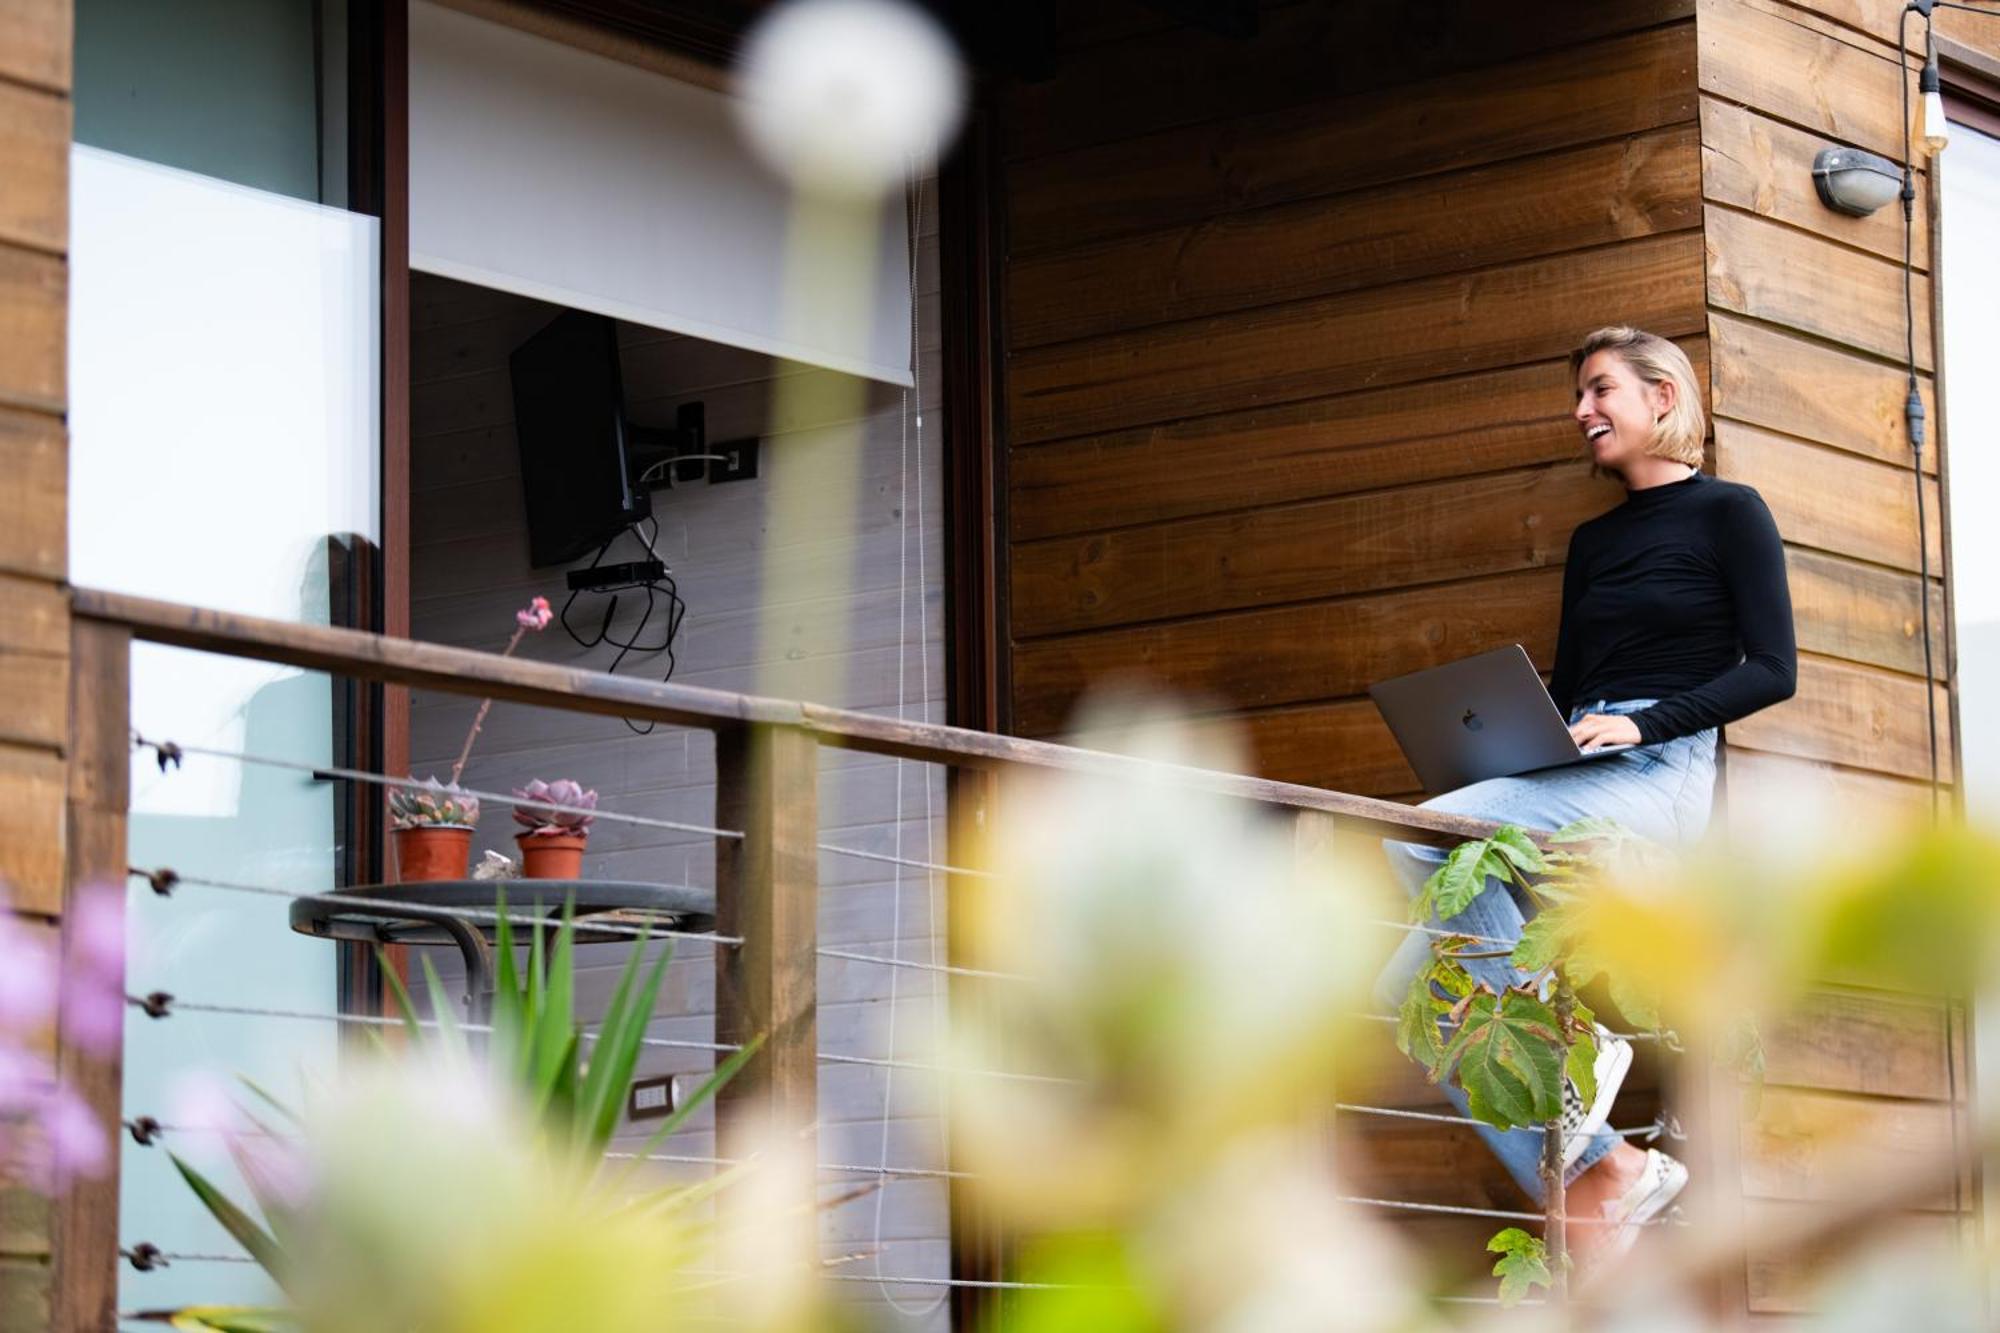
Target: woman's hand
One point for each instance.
(1598, 729)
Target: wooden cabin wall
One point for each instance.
(1287, 409)
(1286, 327)
(35, 632)
(1806, 352)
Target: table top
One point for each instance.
(411, 913)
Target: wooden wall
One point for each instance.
(1286, 319)
(35, 632)
(1287, 393)
(1287, 411)
(1807, 338)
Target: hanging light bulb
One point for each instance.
(1932, 129)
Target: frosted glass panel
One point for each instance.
(1969, 172)
(224, 354)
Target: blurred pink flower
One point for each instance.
(536, 617)
(276, 1169)
(76, 1143)
(28, 974)
(25, 1079)
(92, 1013)
(97, 931)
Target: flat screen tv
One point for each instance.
(569, 421)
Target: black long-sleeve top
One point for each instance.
(1678, 594)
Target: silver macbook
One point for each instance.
(1484, 716)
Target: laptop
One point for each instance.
(1484, 716)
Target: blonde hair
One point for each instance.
(1678, 434)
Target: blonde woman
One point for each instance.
(1676, 618)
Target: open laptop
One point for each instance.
(1484, 716)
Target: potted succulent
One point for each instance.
(432, 822)
(432, 827)
(557, 825)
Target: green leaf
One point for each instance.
(404, 1007)
(1512, 842)
(1543, 939)
(617, 1054)
(234, 1220)
(1588, 828)
(1581, 1065)
(269, 1100)
(1453, 885)
(1523, 1264)
(709, 1087)
(234, 1319)
(449, 1036)
(1508, 1055)
(509, 1049)
(1417, 1034)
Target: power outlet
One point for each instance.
(653, 1098)
(738, 461)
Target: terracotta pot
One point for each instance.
(432, 852)
(551, 855)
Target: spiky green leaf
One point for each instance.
(239, 1224)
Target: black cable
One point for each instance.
(631, 643)
(1914, 416)
(1913, 405)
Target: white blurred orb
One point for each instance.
(841, 94)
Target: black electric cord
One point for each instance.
(654, 589)
(1914, 416)
(1913, 403)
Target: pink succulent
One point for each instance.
(576, 802)
(536, 617)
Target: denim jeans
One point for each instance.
(1661, 791)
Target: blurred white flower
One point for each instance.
(840, 95)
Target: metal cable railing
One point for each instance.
(371, 658)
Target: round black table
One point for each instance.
(435, 913)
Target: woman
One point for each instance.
(1676, 618)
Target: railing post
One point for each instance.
(767, 894)
(100, 758)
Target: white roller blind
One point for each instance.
(543, 170)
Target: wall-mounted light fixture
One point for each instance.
(1855, 182)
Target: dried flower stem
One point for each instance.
(479, 718)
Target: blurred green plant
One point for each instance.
(560, 1088)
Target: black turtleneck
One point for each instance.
(1678, 594)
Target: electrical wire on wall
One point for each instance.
(658, 588)
(1913, 405)
(914, 205)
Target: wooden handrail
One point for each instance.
(450, 670)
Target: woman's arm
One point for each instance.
(1753, 565)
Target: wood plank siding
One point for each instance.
(1806, 354)
(34, 458)
(1287, 411)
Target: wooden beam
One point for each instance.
(100, 758)
(767, 895)
(460, 671)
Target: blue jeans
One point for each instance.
(1661, 791)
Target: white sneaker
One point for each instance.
(1658, 1185)
(1580, 1123)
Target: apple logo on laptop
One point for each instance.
(1471, 720)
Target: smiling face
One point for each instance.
(1617, 411)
